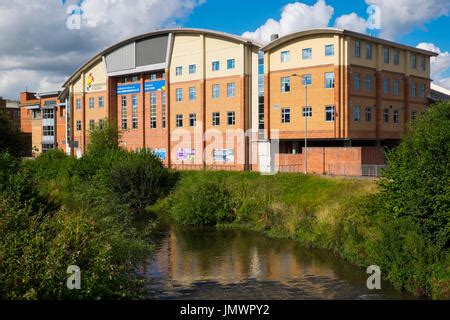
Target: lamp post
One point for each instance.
(305, 112)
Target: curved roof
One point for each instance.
(97, 57)
(332, 31)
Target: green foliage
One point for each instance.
(103, 140)
(10, 139)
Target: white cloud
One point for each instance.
(294, 17)
(399, 17)
(38, 51)
(440, 65)
(351, 22)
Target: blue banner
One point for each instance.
(155, 86)
(129, 88)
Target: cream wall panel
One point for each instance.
(98, 71)
(187, 50)
(222, 50)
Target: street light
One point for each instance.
(306, 115)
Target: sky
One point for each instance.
(42, 44)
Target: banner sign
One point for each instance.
(155, 86)
(160, 153)
(223, 155)
(129, 88)
(186, 155)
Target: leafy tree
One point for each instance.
(10, 139)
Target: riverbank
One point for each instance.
(339, 215)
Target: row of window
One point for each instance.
(307, 112)
(215, 66)
(101, 124)
(231, 92)
(231, 119)
(387, 55)
(368, 83)
(307, 53)
(100, 103)
(307, 81)
(151, 77)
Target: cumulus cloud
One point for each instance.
(294, 17)
(439, 65)
(39, 52)
(351, 22)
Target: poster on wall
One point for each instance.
(160, 153)
(155, 86)
(129, 88)
(223, 155)
(186, 155)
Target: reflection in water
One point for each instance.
(229, 264)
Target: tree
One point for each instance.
(10, 139)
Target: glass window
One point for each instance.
(91, 103)
(124, 113)
(369, 82)
(329, 80)
(36, 114)
(368, 51)
(152, 110)
(422, 63)
(135, 79)
(134, 105)
(46, 147)
(386, 55)
(422, 90)
(286, 115)
(307, 112)
(216, 119)
(48, 131)
(216, 91)
(48, 114)
(192, 120)
(414, 89)
(369, 114)
(179, 71)
(285, 84)
(216, 66)
(357, 48)
(386, 115)
(307, 80)
(356, 113)
(101, 123)
(396, 57)
(153, 76)
(231, 90)
(329, 50)
(396, 89)
(285, 56)
(231, 64)
(101, 102)
(91, 125)
(231, 116)
(192, 68)
(192, 93)
(179, 120)
(307, 53)
(357, 81)
(414, 115)
(78, 125)
(179, 94)
(386, 86)
(414, 61)
(329, 113)
(396, 117)
(163, 108)
(78, 104)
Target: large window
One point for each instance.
(47, 147)
(179, 120)
(285, 84)
(422, 90)
(369, 82)
(91, 103)
(192, 94)
(286, 115)
(307, 53)
(329, 50)
(231, 116)
(153, 110)
(386, 55)
(356, 113)
(285, 56)
(307, 112)
(78, 125)
(78, 104)
(414, 61)
(192, 68)
(357, 81)
(48, 114)
(368, 114)
(386, 86)
(179, 71)
(396, 117)
(329, 113)
(396, 57)
(307, 80)
(101, 102)
(231, 64)
(368, 51)
(414, 89)
(386, 115)
(91, 125)
(396, 89)
(124, 113)
(179, 94)
(48, 131)
(231, 90)
(134, 105)
(357, 48)
(216, 66)
(192, 120)
(329, 80)
(422, 63)
(216, 119)
(216, 91)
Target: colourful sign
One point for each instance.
(129, 88)
(155, 86)
(186, 155)
(90, 81)
(160, 153)
(223, 155)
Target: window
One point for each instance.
(357, 48)
(396, 117)
(285, 84)
(231, 116)
(216, 91)
(216, 119)
(231, 90)
(386, 55)
(422, 63)
(386, 86)
(152, 110)
(285, 56)
(124, 80)
(286, 115)
(179, 94)
(78, 125)
(414, 61)
(192, 94)
(231, 64)
(368, 51)
(368, 114)
(329, 80)
(101, 102)
(369, 82)
(357, 81)
(307, 112)
(414, 89)
(163, 108)
(329, 113)
(192, 68)
(153, 76)
(48, 114)
(91, 103)
(179, 71)
(101, 123)
(356, 113)
(386, 115)
(192, 120)
(135, 79)
(124, 113)
(91, 125)
(307, 53)
(422, 90)
(48, 131)
(307, 80)
(179, 120)
(134, 109)
(396, 57)
(329, 50)
(396, 89)
(78, 104)
(414, 115)
(216, 66)
(46, 147)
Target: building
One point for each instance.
(439, 94)
(350, 94)
(43, 116)
(12, 109)
(206, 99)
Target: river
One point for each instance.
(242, 265)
